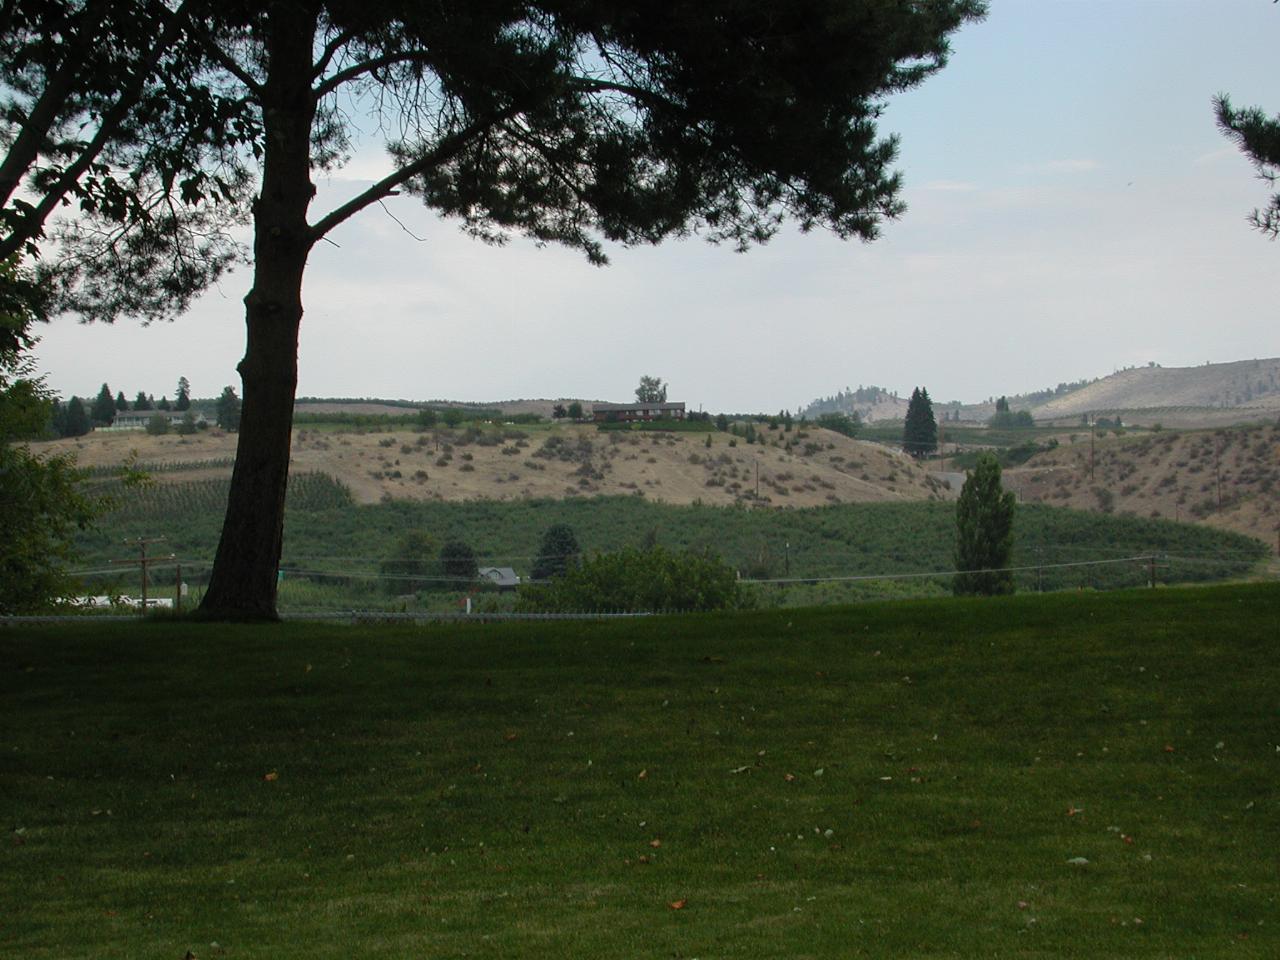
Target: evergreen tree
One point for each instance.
(76, 422)
(458, 561)
(103, 410)
(227, 412)
(557, 553)
(141, 401)
(575, 411)
(163, 404)
(413, 564)
(1258, 136)
(920, 431)
(984, 532)
(183, 401)
(121, 403)
(558, 412)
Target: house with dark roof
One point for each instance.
(636, 412)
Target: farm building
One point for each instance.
(631, 412)
(504, 578)
(140, 419)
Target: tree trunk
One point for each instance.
(245, 569)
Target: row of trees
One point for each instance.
(73, 419)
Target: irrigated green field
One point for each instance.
(327, 534)
(1076, 775)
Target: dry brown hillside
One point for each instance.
(1248, 388)
(1228, 478)
(566, 461)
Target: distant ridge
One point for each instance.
(1251, 387)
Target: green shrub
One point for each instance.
(636, 581)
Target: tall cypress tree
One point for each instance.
(920, 431)
(984, 532)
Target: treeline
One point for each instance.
(75, 418)
(849, 400)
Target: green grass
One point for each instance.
(496, 791)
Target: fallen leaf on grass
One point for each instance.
(271, 776)
(643, 774)
(1078, 861)
(655, 843)
(1072, 811)
(1168, 748)
(510, 736)
(739, 769)
(677, 904)
(789, 777)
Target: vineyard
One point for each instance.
(334, 547)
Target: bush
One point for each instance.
(637, 581)
(158, 425)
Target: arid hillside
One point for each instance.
(1228, 478)
(800, 468)
(1246, 389)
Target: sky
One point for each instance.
(1072, 210)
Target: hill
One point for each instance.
(1030, 777)
(1226, 478)
(1240, 391)
(804, 467)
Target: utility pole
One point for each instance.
(144, 561)
(1217, 468)
(1091, 429)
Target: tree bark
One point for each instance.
(245, 569)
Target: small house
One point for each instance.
(636, 412)
(504, 578)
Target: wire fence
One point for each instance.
(331, 589)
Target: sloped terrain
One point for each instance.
(800, 468)
(1226, 478)
(1248, 387)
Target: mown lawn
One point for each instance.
(889, 780)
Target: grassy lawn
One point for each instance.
(891, 780)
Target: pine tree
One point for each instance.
(103, 410)
(183, 401)
(121, 403)
(228, 410)
(557, 553)
(920, 431)
(76, 421)
(163, 404)
(141, 401)
(984, 532)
